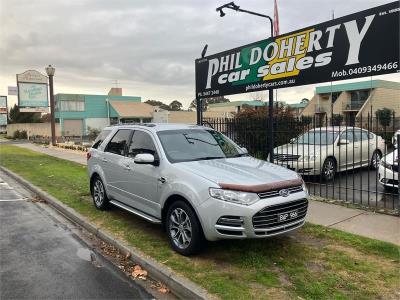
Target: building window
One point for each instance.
(72, 105)
(358, 96)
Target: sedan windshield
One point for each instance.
(197, 144)
(317, 138)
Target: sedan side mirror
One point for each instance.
(343, 142)
(144, 159)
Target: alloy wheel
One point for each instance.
(376, 157)
(329, 169)
(98, 192)
(180, 228)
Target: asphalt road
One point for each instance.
(41, 257)
(358, 186)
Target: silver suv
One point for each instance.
(196, 182)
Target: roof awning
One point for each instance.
(126, 109)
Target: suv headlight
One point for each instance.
(234, 196)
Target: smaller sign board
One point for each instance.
(12, 91)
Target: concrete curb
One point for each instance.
(180, 286)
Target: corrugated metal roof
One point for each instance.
(132, 110)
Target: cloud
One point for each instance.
(149, 46)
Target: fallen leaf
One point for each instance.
(163, 290)
(138, 272)
(128, 255)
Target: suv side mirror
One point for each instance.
(244, 149)
(144, 159)
(343, 142)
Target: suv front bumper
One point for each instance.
(226, 220)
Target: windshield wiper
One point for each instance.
(239, 155)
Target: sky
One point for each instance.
(148, 46)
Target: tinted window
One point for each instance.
(365, 135)
(100, 138)
(141, 143)
(317, 137)
(347, 135)
(357, 136)
(118, 143)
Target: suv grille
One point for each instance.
(269, 216)
(286, 157)
(275, 193)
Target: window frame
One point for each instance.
(156, 153)
(125, 148)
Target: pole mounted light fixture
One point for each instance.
(233, 6)
(50, 70)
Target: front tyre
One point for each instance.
(375, 159)
(99, 195)
(328, 171)
(183, 229)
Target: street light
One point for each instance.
(233, 6)
(50, 72)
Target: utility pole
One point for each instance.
(50, 72)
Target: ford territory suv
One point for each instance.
(194, 181)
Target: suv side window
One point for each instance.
(100, 138)
(141, 142)
(118, 143)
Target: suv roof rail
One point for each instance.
(135, 123)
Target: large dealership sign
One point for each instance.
(361, 44)
(32, 91)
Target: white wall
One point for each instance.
(98, 123)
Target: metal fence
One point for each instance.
(341, 157)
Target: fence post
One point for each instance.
(270, 125)
(398, 163)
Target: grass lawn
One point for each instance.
(311, 263)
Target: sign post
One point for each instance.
(358, 45)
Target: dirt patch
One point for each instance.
(315, 267)
(308, 240)
(282, 277)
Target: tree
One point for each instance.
(157, 103)
(45, 118)
(384, 116)
(175, 105)
(16, 116)
(206, 102)
(337, 119)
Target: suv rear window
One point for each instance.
(100, 138)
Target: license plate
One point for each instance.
(287, 216)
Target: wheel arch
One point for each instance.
(169, 201)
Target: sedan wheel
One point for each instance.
(328, 169)
(375, 159)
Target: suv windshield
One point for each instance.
(197, 144)
(317, 138)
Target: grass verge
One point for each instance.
(311, 263)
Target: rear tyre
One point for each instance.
(99, 194)
(375, 159)
(328, 171)
(183, 229)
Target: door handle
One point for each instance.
(104, 160)
(162, 180)
(127, 167)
